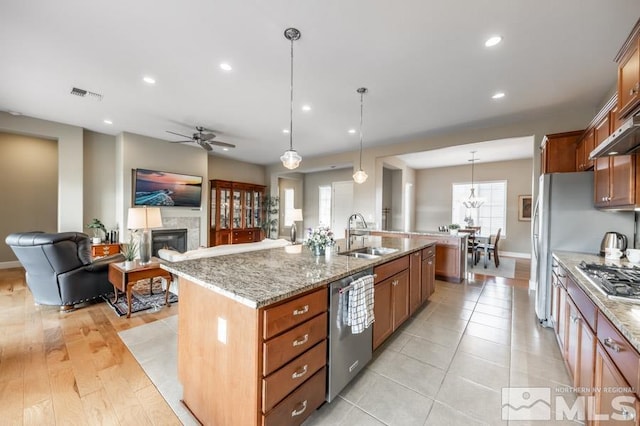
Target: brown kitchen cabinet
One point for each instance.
(608, 377)
(614, 176)
(236, 212)
(428, 273)
(628, 59)
(558, 152)
(415, 281)
(391, 298)
(559, 304)
(586, 144)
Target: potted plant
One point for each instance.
(319, 239)
(270, 224)
(129, 250)
(97, 226)
(453, 229)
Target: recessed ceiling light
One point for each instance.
(352, 131)
(285, 130)
(492, 41)
(306, 108)
(149, 80)
(498, 95)
(107, 121)
(225, 149)
(225, 66)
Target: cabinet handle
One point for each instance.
(295, 413)
(300, 372)
(430, 262)
(302, 341)
(394, 282)
(574, 319)
(302, 310)
(610, 343)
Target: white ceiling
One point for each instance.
(424, 63)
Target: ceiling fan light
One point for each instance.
(291, 159)
(360, 176)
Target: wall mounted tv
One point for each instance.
(157, 188)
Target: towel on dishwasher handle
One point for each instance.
(360, 308)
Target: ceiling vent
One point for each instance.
(85, 93)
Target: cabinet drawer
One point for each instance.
(623, 355)
(282, 382)
(300, 404)
(428, 252)
(283, 317)
(391, 268)
(242, 237)
(279, 350)
(583, 303)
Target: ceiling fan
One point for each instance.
(203, 139)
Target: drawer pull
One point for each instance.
(627, 415)
(301, 372)
(394, 282)
(574, 319)
(610, 343)
(302, 341)
(302, 310)
(295, 413)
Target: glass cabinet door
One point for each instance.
(257, 208)
(225, 199)
(248, 210)
(237, 210)
(214, 207)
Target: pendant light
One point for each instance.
(473, 202)
(360, 176)
(291, 159)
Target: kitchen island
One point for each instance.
(252, 333)
(451, 251)
(599, 338)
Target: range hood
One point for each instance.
(625, 140)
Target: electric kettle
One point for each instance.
(613, 240)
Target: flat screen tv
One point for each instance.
(157, 188)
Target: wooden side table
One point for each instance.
(124, 278)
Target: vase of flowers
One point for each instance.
(318, 240)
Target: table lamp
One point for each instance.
(296, 216)
(144, 218)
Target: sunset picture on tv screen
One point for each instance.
(156, 188)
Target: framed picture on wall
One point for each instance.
(524, 207)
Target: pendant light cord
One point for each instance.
(291, 103)
(361, 109)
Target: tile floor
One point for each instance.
(447, 365)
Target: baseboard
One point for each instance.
(515, 254)
(9, 265)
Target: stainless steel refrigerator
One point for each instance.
(564, 219)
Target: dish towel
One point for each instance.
(360, 308)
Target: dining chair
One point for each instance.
(471, 242)
(489, 247)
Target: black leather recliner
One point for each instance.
(59, 267)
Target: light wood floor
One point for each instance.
(72, 368)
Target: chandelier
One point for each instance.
(291, 159)
(473, 202)
(360, 176)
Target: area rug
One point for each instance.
(507, 268)
(140, 298)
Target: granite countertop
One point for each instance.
(260, 278)
(426, 233)
(624, 315)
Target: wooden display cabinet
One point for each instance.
(236, 212)
(586, 144)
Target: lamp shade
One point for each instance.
(296, 215)
(144, 218)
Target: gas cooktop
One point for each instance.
(615, 281)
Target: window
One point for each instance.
(288, 206)
(491, 216)
(324, 206)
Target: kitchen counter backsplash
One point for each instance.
(260, 278)
(624, 315)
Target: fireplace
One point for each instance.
(172, 239)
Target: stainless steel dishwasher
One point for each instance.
(348, 352)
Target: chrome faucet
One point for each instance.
(352, 232)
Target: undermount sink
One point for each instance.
(369, 252)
